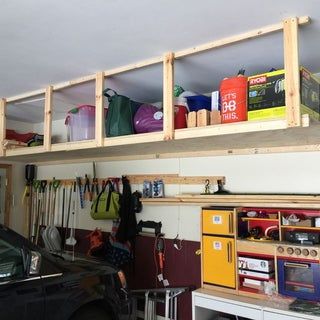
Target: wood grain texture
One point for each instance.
(99, 128)
(3, 111)
(47, 119)
(168, 106)
(292, 74)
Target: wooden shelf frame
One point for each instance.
(107, 146)
(262, 201)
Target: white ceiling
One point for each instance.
(50, 41)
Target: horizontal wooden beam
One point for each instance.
(133, 66)
(71, 83)
(3, 111)
(26, 95)
(236, 38)
(174, 179)
(273, 201)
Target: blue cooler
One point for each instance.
(199, 102)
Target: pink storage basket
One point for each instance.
(81, 123)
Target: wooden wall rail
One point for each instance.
(166, 178)
(175, 179)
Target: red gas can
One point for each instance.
(180, 117)
(233, 98)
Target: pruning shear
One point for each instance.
(95, 183)
(86, 189)
(78, 180)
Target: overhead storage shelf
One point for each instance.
(285, 135)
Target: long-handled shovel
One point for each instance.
(53, 235)
(71, 241)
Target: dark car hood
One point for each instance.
(80, 261)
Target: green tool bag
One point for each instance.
(119, 120)
(106, 205)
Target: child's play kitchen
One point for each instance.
(269, 253)
(283, 255)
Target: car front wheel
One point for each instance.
(91, 313)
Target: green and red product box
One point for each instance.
(266, 95)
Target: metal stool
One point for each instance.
(168, 296)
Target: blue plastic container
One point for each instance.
(199, 102)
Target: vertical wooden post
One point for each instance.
(47, 119)
(3, 112)
(168, 105)
(99, 131)
(292, 72)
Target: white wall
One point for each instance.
(273, 173)
(19, 126)
(2, 193)
(18, 184)
(59, 130)
(18, 210)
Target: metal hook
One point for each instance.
(207, 186)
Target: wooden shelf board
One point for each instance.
(152, 145)
(231, 128)
(74, 145)
(175, 179)
(240, 200)
(159, 200)
(301, 227)
(134, 139)
(24, 151)
(259, 219)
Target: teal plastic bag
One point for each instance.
(119, 120)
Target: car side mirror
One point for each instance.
(34, 263)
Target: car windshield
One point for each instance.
(11, 261)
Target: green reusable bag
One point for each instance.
(106, 205)
(119, 120)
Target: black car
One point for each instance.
(35, 284)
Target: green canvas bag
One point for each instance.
(119, 120)
(106, 205)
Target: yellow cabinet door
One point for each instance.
(218, 262)
(217, 222)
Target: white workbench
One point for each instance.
(207, 303)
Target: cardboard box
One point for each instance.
(253, 264)
(309, 88)
(257, 274)
(266, 95)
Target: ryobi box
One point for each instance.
(266, 95)
(310, 91)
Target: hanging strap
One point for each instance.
(111, 189)
(98, 198)
(106, 94)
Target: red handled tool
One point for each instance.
(160, 252)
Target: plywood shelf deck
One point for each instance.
(259, 219)
(193, 142)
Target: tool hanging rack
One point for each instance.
(166, 178)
